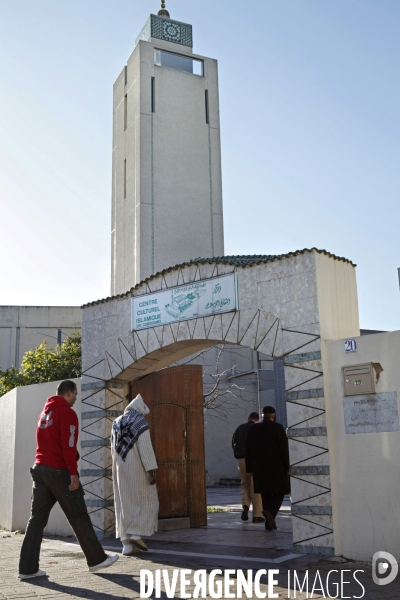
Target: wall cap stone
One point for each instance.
(234, 261)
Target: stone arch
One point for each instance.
(140, 353)
(282, 314)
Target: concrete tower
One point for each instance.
(166, 180)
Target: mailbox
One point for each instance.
(358, 380)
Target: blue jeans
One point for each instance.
(50, 486)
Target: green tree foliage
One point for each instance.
(46, 364)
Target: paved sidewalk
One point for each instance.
(227, 543)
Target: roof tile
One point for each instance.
(243, 260)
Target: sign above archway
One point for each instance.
(196, 299)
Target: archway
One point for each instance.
(288, 305)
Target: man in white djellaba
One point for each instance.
(133, 467)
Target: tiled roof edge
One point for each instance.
(234, 260)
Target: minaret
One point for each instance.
(166, 181)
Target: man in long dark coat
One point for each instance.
(267, 459)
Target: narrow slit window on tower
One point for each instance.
(207, 109)
(125, 178)
(125, 111)
(153, 95)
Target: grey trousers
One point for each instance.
(51, 486)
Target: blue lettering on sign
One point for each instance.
(148, 310)
(147, 303)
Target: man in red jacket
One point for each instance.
(55, 479)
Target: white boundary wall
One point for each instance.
(19, 411)
(365, 467)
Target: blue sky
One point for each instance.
(310, 128)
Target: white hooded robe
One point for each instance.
(135, 500)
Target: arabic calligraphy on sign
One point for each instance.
(371, 413)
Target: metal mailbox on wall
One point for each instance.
(358, 380)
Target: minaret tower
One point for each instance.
(166, 180)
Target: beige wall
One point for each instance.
(19, 411)
(173, 204)
(365, 467)
(7, 428)
(338, 318)
(337, 298)
(25, 327)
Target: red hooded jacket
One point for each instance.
(57, 436)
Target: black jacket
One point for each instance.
(239, 439)
(267, 457)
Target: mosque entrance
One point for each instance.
(283, 307)
(175, 399)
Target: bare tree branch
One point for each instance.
(220, 395)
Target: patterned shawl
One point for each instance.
(128, 427)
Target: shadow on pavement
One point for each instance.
(84, 592)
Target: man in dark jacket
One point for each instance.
(267, 459)
(239, 451)
(55, 479)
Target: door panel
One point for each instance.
(196, 453)
(175, 399)
(169, 425)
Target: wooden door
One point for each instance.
(175, 399)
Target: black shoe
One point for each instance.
(258, 519)
(245, 513)
(269, 520)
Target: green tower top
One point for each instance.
(162, 27)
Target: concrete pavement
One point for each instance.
(227, 543)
